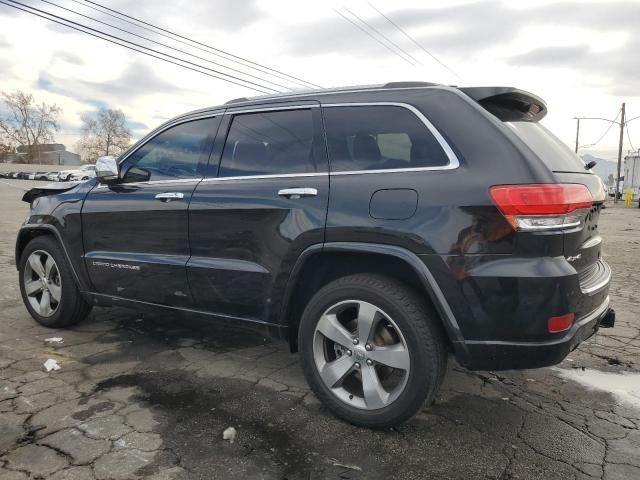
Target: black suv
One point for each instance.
(376, 229)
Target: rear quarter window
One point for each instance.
(379, 137)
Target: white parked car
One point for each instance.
(85, 172)
(53, 176)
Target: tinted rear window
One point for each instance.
(549, 148)
(269, 143)
(379, 138)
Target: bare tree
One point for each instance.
(27, 123)
(105, 133)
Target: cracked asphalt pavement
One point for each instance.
(149, 397)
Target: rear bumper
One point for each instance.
(498, 355)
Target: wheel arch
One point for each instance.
(28, 233)
(320, 264)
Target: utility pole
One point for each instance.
(622, 125)
(577, 133)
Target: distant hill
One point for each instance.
(603, 167)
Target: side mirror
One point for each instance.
(106, 169)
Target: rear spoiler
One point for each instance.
(509, 104)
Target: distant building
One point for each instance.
(48, 154)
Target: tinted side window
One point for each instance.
(175, 153)
(269, 143)
(378, 138)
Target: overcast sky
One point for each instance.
(581, 57)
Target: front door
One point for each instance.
(267, 203)
(135, 232)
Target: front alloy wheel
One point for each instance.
(47, 284)
(361, 355)
(42, 283)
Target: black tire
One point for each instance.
(422, 331)
(72, 308)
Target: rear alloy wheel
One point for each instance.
(361, 354)
(372, 351)
(48, 288)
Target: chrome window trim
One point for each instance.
(276, 175)
(453, 159)
(156, 182)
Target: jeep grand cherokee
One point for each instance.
(376, 229)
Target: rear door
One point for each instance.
(135, 233)
(251, 218)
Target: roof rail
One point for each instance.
(409, 84)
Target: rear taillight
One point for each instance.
(543, 206)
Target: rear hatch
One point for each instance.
(582, 245)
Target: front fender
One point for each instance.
(58, 214)
(29, 232)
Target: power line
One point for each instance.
(613, 122)
(220, 75)
(420, 46)
(374, 37)
(629, 136)
(164, 45)
(126, 46)
(384, 36)
(220, 51)
(208, 51)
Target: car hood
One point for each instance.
(48, 189)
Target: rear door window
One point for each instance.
(379, 137)
(269, 143)
(556, 155)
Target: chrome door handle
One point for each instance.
(168, 196)
(295, 193)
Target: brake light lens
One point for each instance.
(561, 323)
(542, 206)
